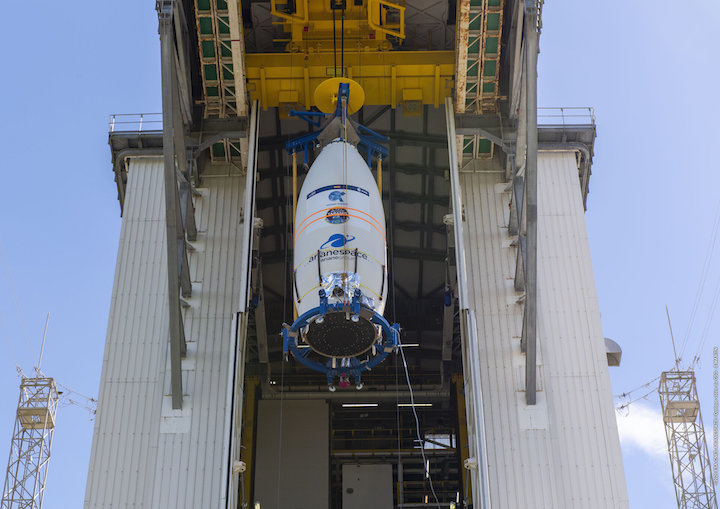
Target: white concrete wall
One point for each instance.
(144, 454)
(564, 452)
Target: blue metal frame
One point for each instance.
(370, 141)
(290, 334)
(307, 116)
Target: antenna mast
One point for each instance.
(672, 338)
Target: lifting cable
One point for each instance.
(332, 8)
(391, 286)
(288, 211)
(399, 432)
(421, 442)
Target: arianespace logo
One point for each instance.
(336, 196)
(337, 240)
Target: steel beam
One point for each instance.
(237, 47)
(468, 327)
(249, 409)
(248, 210)
(234, 410)
(165, 10)
(448, 332)
(184, 81)
(440, 393)
(530, 325)
(259, 296)
(456, 204)
(516, 208)
(501, 131)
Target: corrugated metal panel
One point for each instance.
(144, 454)
(292, 468)
(565, 451)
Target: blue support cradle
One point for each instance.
(336, 368)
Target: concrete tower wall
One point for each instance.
(564, 452)
(144, 454)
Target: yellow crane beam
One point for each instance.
(388, 78)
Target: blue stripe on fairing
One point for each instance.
(338, 186)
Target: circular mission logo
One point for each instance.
(337, 216)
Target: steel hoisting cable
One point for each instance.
(703, 279)
(343, 138)
(342, 40)
(280, 425)
(332, 7)
(421, 442)
(399, 438)
(292, 221)
(282, 355)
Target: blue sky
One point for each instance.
(648, 69)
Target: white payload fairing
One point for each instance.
(340, 276)
(340, 249)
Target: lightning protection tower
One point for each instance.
(31, 441)
(685, 434)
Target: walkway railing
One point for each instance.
(584, 115)
(135, 122)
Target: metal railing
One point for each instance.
(135, 122)
(573, 116)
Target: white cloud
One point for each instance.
(643, 428)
